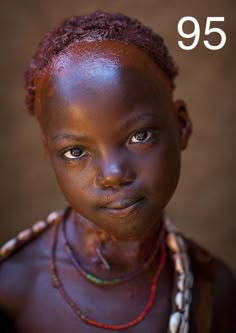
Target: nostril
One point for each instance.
(114, 179)
(127, 182)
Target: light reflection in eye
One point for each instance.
(73, 153)
(141, 136)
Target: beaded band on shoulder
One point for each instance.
(179, 319)
(26, 235)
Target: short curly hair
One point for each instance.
(96, 26)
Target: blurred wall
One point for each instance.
(204, 204)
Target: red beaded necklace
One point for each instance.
(58, 284)
(96, 280)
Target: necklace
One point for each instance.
(179, 318)
(58, 284)
(183, 281)
(96, 280)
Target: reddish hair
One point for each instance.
(97, 26)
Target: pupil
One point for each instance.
(76, 152)
(141, 135)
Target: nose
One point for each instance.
(114, 172)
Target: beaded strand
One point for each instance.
(179, 318)
(58, 284)
(26, 235)
(96, 280)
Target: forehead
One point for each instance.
(107, 71)
(103, 57)
(90, 63)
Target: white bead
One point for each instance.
(24, 235)
(8, 246)
(169, 226)
(185, 260)
(181, 263)
(174, 322)
(180, 282)
(179, 300)
(186, 311)
(184, 327)
(172, 242)
(179, 267)
(40, 225)
(181, 243)
(52, 217)
(187, 296)
(175, 242)
(189, 280)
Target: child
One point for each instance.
(101, 88)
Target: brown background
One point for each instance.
(204, 204)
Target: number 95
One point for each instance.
(196, 33)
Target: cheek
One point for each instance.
(73, 182)
(161, 169)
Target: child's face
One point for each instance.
(113, 135)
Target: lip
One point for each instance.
(123, 207)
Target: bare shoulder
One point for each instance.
(224, 299)
(21, 259)
(222, 282)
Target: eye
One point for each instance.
(73, 153)
(141, 136)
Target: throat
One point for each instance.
(94, 251)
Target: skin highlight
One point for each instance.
(96, 26)
(114, 136)
(88, 87)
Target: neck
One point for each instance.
(92, 244)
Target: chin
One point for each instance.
(130, 229)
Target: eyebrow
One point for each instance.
(136, 117)
(62, 136)
(126, 124)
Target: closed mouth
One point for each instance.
(123, 207)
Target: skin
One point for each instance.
(113, 135)
(112, 166)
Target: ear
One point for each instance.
(184, 123)
(46, 147)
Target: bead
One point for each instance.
(178, 264)
(59, 285)
(181, 243)
(184, 327)
(185, 261)
(40, 225)
(24, 235)
(175, 243)
(179, 300)
(169, 226)
(174, 322)
(172, 242)
(52, 217)
(189, 280)
(181, 282)
(187, 296)
(8, 246)
(181, 263)
(186, 311)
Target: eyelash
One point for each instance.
(150, 133)
(71, 159)
(147, 131)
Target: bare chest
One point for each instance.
(46, 310)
